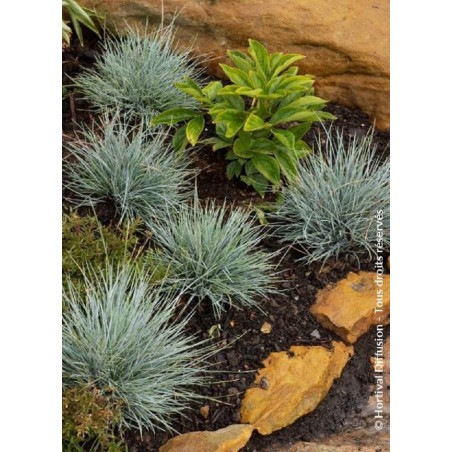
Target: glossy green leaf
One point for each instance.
(228, 113)
(257, 80)
(257, 181)
(242, 146)
(250, 168)
(286, 138)
(264, 133)
(302, 149)
(221, 131)
(211, 90)
(191, 84)
(326, 115)
(236, 75)
(275, 60)
(236, 102)
(271, 96)
(233, 169)
(180, 139)
(284, 62)
(81, 15)
(194, 129)
(228, 90)
(220, 108)
(292, 71)
(289, 97)
(263, 146)
(260, 55)
(287, 163)
(248, 92)
(300, 130)
(253, 123)
(221, 145)
(307, 101)
(191, 88)
(289, 114)
(67, 32)
(217, 143)
(230, 155)
(173, 116)
(268, 167)
(296, 82)
(234, 121)
(241, 60)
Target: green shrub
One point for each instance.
(78, 14)
(136, 75)
(122, 334)
(213, 253)
(261, 117)
(134, 169)
(90, 417)
(331, 211)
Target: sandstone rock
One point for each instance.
(229, 439)
(292, 384)
(346, 42)
(347, 308)
(362, 440)
(380, 397)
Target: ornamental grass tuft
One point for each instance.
(214, 253)
(133, 169)
(136, 74)
(122, 334)
(331, 211)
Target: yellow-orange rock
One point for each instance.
(362, 440)
(349, 307)
(346, 42)
(229, 439)
(380, 398)
(292, 384)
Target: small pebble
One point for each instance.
(315, 334)
(266, 328)
(204, 411)
(233, 392)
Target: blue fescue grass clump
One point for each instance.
(121, 334)
(132, 168)
(135, 74)
(214, 253)
(331, 211)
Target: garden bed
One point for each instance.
(240, 330)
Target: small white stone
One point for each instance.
(315, 334)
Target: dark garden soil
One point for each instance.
(288, 313)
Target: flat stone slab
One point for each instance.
(380, 397)
(349, 307)
(229, 439)
(292, 384)
(362, 440)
